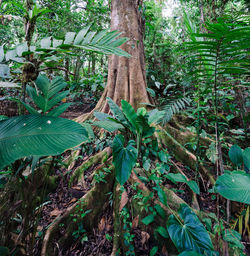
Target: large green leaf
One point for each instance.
(234, 186)
(37, 135)
(124, 158)
(104, 42)
(235, 155)
(190, 235)
(48, 95)
(130, 114)
(246, 159)
(117, 112)
(4, 251)
(178, 177)
(190, 253)
(110, 126)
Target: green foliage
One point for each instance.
(234, 186)
(246, 159)
(4, 251)
(190, 253)
(235, 155)
(48, 96)
(177, 177)
(174, 107)
(37, 135)
(153, 251)
(124, 158)
(133, 125)
(149, 219)
(189, 235)
(104, 42)
(240, 157)
(138, 123)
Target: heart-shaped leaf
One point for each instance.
(190, 235)
(124, 158)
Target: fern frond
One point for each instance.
(174, 107)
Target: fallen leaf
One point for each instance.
(77, 188)
(144, 237)
(124, 200)
(164, 250)
(73, 200)
(101, 224)
(55, 212)
(135, 222)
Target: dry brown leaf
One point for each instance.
(164, 250)
(73, 200)
(77, 188)
(55, 212)
(72, 164)
(144, 237)
(135, 222)
(101, 224)
(108, 227)
(124, 200)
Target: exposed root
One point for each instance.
(116, 220)
(183, 135)
(182, 154)
(174, 203)
(97, 158)
(70, 160)
(87, 202)
(195, 203)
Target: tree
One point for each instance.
(126, 76)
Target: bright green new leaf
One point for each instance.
(149, 219)
(190, 235)
(194, 186)
(234, 186)
(130, 114)
(176, 177)
(37, 135)
(124, 158)
(162, 231)
(153, 251)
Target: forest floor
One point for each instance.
(99, 241)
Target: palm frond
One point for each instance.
(104, 42)
(174, 107)
(223, 51)
(48, 96)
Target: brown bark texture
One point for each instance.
(126, 76)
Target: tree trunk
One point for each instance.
(126, 76)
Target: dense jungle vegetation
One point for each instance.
(124, 127)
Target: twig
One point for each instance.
(60, 68)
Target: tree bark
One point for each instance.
(126, 76)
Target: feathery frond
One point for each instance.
(174, 107)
